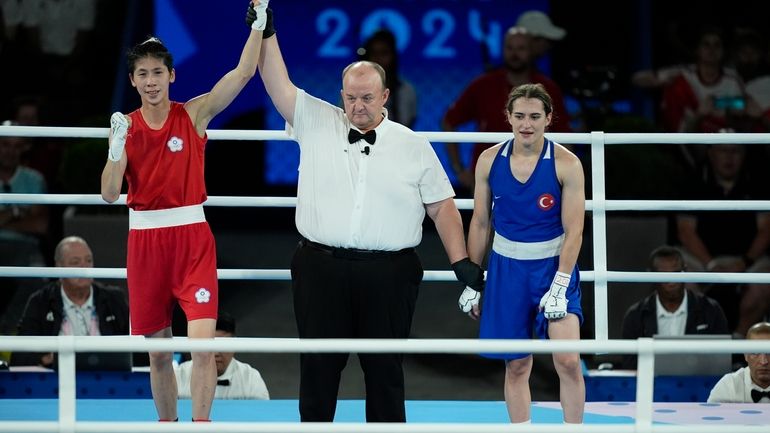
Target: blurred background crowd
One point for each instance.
(654, 66)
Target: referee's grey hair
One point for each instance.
(59, 251)
(373, 65)
(761, 328)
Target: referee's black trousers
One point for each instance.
(344, 294)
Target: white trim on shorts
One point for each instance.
(155, 219)
(527, 250)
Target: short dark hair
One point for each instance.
(225, 322)
(665, 251)
(152, 47)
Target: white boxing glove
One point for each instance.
(554, 302)
(468, 299)
(119, 124)
(261, 10)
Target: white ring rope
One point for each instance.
(285, 275)
(462, 203)
(454, 137)
(646, 348)
(420, 345)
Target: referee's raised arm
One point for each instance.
(274, 75)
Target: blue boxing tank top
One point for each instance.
(528, 211)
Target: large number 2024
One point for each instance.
(439, 24)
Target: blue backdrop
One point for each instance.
(443, 44)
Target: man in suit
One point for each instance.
(72, 306)
(671, 309)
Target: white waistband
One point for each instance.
(155, 219)
(527, 250)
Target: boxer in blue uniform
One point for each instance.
(530, 190)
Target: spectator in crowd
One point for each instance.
(42, 154)
(749, 54)
(661, 77)
(235, 379)
(22, 227)
(381, 48)
(749, 384)
(72, 306)
(544, 33)
(703, 96)
(729, 241)
(751, 62)
(480, 102)
(671, 309)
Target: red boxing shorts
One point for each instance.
(169, 264)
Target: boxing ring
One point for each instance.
(69, 414)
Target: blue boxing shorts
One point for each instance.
(512, 297)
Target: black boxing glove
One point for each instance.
(269, 28)
(469, 273)
(251, 18)
(251, 15)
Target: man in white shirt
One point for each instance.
(235, 379)
(749, 384)
(365, 186)
(671, 309)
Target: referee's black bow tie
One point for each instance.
(223, 382)
(354, 136)
(757, 395)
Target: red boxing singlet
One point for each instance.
(165, 166)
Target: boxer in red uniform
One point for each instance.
(171, 252)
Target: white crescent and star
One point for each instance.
(545, 201)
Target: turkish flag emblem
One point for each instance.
(545, 202)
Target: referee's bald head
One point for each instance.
(361, 67)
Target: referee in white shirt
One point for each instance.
(365, 185)
(749, 384)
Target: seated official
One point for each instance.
(235, 379)
(72, 306)
(749, 384)
(671, 309)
